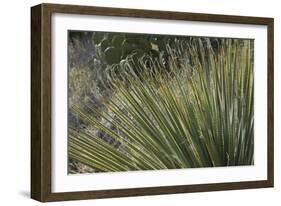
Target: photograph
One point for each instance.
(141, 101)
(134, 102)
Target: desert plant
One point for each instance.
(200, 115)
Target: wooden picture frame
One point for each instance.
(41, 116)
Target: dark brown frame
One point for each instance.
(41, 101)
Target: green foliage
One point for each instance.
(198, 113)
(123, 45)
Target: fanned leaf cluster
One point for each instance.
(197, 114)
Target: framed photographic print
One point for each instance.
(132, 102)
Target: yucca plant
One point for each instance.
(199, 113)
